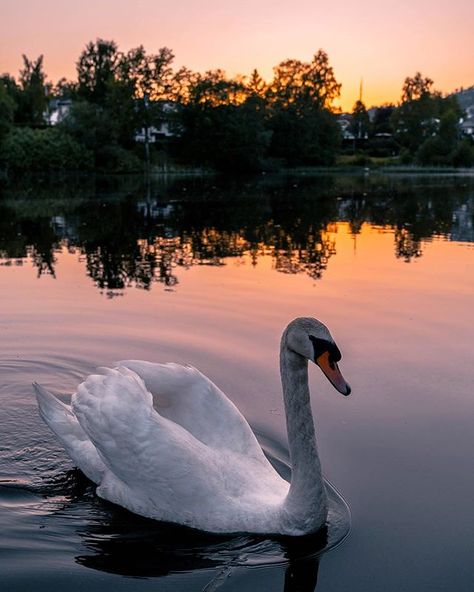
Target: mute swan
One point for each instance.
(164, 442)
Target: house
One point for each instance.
(58, 110)
(154, 133)
(466, 124)
(162, 129)
(345, 121)
(467, 127)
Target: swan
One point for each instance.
(164, 441)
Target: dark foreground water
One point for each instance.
(208, 273)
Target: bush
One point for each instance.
(115, 159)
(26, 149)
(432, 152)
(435, 151)
(405, 156)
(463, 154)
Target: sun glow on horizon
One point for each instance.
(377, 41)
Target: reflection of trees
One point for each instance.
(310, 257)
(22, 237)
(415, 211)
(406, 247)
(127, 242)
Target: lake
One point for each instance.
(208, 272)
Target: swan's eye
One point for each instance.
(320, 346)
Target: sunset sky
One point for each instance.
(381, 42)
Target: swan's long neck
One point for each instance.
(306, 501)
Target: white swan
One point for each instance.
(164, 442)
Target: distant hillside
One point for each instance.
(466, 99)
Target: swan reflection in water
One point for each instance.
(118, 542)
(131, 546)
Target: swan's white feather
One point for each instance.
(163, 441)
(157, 468)
(191, 399)
(61, 419)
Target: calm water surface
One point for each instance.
(209, 273)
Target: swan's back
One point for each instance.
(187, 397)
(157, 468)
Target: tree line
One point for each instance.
(208, 119)
(423, 128)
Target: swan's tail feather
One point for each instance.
(51, 408)
(62, 421)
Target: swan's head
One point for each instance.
(311, 339)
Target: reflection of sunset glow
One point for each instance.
(162, 259)
(302, 229)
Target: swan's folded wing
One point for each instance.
(144, 453)
(188, 397)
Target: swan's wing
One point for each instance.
(188, 397)
(60, 418)
(151, 462)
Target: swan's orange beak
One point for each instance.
(333, 374)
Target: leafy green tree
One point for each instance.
(13, 91)
(140, 91)
(416, 118)
(463, 154)
(380, 123)
(27, 149)
(7, 110)
(310, 139)
(442, 148)
(425, 123)
(32, 98)
(123, 92)
(95, 127)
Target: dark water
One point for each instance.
(209, 273)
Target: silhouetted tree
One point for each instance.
(32, 100)
(415, 88)
(440, 148)
(181, 84)
(65, 89)
(425, 123)
(380, 123)
(7, 110)
(121, 93)
(300, 96)
(146, 74)
(304, 84)
(222, 127)
(96, 69)
(256, 86)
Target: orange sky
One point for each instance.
(381, 42)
